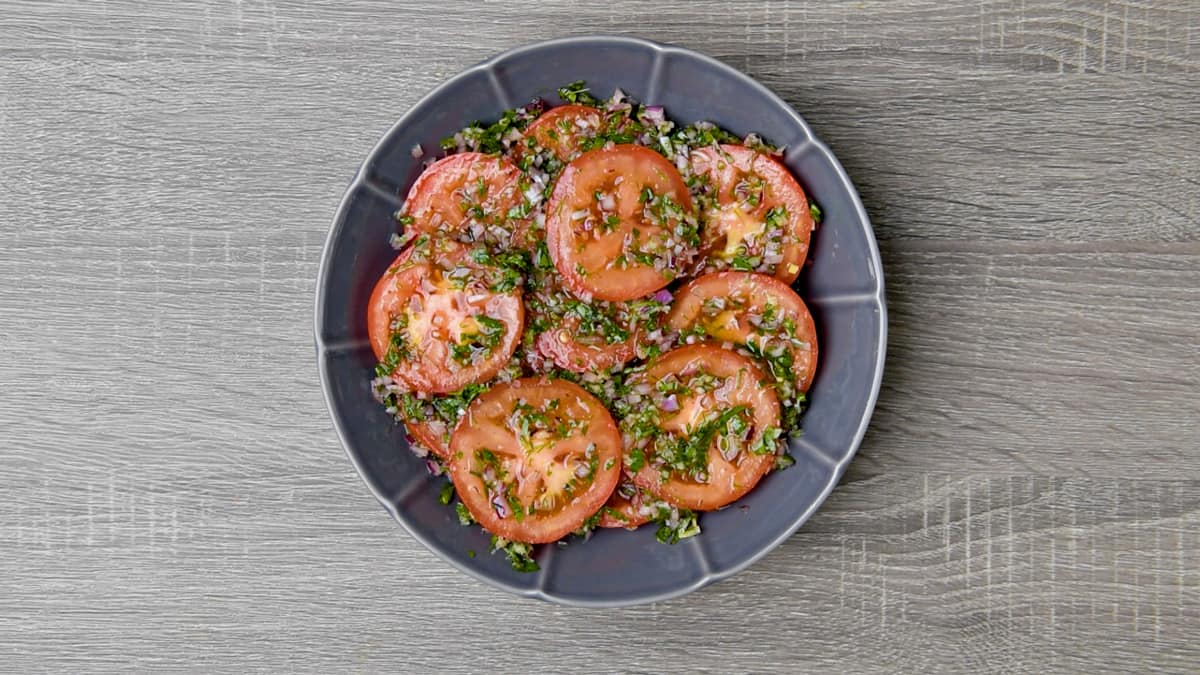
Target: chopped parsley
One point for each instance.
(780, 364)
(768, 442)
(451, 406)
(519, 554)
(589, 525)
(464, 516)
(685, 525)
(478, 345)
(776, 217)
(689, 455)
(597, 319)
(541, 257)
(489, 139)
(397, 350)
(636, 459)
(577, 92)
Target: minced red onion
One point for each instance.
(417, 151)
(500, 506)
(664, 296)
(654, 113)
(670, 404)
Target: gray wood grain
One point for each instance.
(172, 496)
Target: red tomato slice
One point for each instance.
(431, 433)
(589, 337)
(433, 321)
(758, 219)
(754, 309)
(534, 458)
(705, 430)
(469, 196)
(619, 223)
(561, 130)
(630, 507)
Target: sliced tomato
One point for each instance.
(534, 458)
(435, 324)
(756, 216)
(619, 223)
(754, 310)
(630, 507)
(431, 433)
(563, 130)
(705, 427)
(589, 336)
(469, 196)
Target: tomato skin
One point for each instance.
(535, 468)
(431, 368)
(440, 200)
(431, 433)
(562, 129)
(572, 345)
(625, 507)
(728, 480)
(727, 168)
(384, 298)
(753, 291)
(560, 346)
(588, 250)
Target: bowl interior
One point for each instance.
(842, 285)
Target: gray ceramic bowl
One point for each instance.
(843, 287)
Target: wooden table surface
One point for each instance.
(172, 494)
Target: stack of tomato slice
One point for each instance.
(515, 288)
